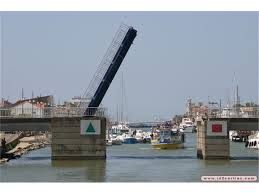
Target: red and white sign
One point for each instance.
(217, 128)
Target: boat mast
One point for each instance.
(122, 97)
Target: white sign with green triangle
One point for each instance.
(90, 127)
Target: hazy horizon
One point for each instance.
(175, 55)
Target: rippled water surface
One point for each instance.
(131, 163)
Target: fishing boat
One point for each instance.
(168, 140)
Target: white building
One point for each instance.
(77, 100)
(27, 109)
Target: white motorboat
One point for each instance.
(253, 141)
(108, 142)
(116, 141)
(187, 129)
(186, 122)
(120, 129)
(187, 126)
(139, 135)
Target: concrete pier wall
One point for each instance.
(69, 143)
(212, 145)
(200, 139)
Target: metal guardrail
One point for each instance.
(50, 112)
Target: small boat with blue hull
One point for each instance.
(130, 140)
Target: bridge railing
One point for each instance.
(49, 112)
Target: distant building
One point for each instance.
(242, 111)
(77, 101)
(75, 106)
(26, 108)
(5, 105)
(249, 111)
(35, 107)
(200, 111)
(196, 110)
(42, 101)
(189, 106)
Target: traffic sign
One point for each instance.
(217, 128)
(90, 127)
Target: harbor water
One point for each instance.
(131, 163)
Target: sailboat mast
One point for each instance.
(122, 97)
(117, 119)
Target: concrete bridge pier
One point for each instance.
(76, 138)
(212, 140)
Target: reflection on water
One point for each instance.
(131, 163)
(209, 163)
(93, 170)
(153, 157)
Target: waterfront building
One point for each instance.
(250, 111)
(33, 107)
(5, 105)
(77, 101)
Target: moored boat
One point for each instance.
(187, 126)
(116, 141)
(108, 142)
(130, 140)
(168, 140)
(253, 141)
(141, 136)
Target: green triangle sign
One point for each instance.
(90, 129)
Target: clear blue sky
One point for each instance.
(175, 55)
